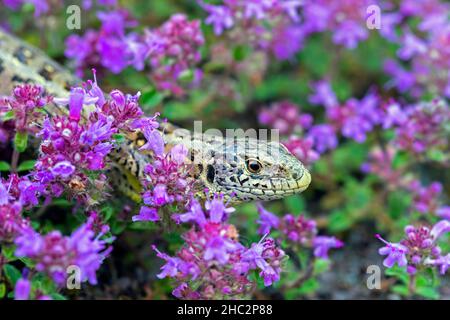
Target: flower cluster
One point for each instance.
(285, 116)
(12, 223)
(213, 264)
(418, 250)
(40, 6)
(379, 163)
(268, 25)
(110, 47)
(428, 54)
(173, 52)
(171, 49)
(302, 148)
(356, 118)
(425, 199)
(297, 230)
(347, 20)
(54, 253)
(23, 291)
(166, 180)
(16, 193)
(305, 140)
(24, 107)
(69, 147)
(423, 127)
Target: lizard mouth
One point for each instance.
(291, 186)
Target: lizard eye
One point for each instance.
(253, 165)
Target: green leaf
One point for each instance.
(339, 220)
(295, 204)
(8, 253)
(2, 290)
(309, 286)
(398, 203)
(58, 296)
(436, 155)
(186, 76)
(240, 52)
(26, 165)
(428, 292)
(151, 98)
(399, 273)
(8, 116)
(119, 138)
(60, 202)
(11, 273)
(20, 141)
(4, 166)
(320, 266)
(401, 290)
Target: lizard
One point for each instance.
(241, 169)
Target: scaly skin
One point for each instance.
(219, 165)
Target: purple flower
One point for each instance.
(155, 141)
(323, 94)
(291, 7)
(303, 149)
(440, 228)
(323, 244)
(267, 220)
(443, 262)
(324, 137)
(101, 130)
(160, 196)
(12, 223)
(22, 289)
(444, 212)
(287, 41)
(218, 249)
(396, 253)
(412, 45)
(395, 116)
(195, 214)
(217, 209)
(170, 269)
(179, 154)
(63, 169)
(220, 17)
(146, 214)
(349, 34)
(265, 256)
(356, 118)
(286, 117)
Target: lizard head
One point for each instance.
(250, 169)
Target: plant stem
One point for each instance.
(412, 285)
(15, 160)
(303, 277)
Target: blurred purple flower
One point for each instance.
(54, 253)
(22, 289)
(323, 94)
(323, 244)
(324, 137)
